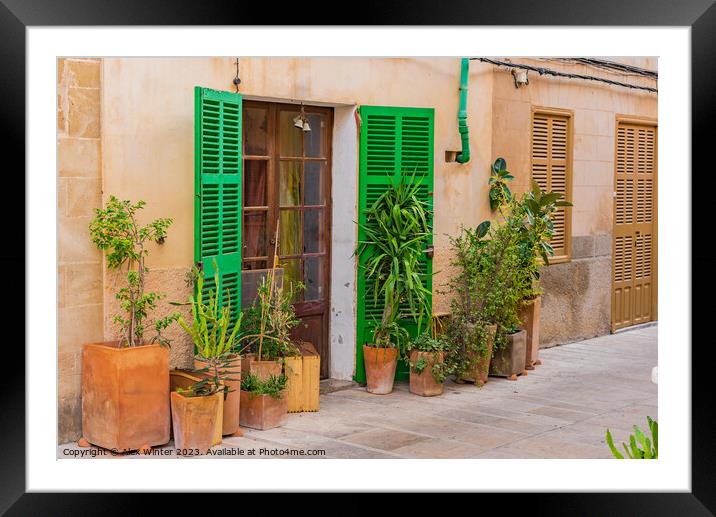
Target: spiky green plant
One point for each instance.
(210, 328)
(212, 335)
(649, 448)
(397, 230)
(273, 386)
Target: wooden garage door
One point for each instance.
(634, 247)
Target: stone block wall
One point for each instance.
(576, 303)
(79, 269)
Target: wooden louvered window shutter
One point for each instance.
(217, 188)
(552, 170)
(393, 142)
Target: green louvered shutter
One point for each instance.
(217, 189)
(394, 141)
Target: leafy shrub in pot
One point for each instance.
(485, 299)
(397, 231)
(263, 401)
(428, 368)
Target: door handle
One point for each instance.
(429, 251)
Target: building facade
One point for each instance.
(127, 127)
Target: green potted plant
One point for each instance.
(266, 330)
(397, 231)
(197, 410)
(213, 336)
(428, 367)
(504, 249)
(535, 210)
(125, 383)
(263, 401)
(477, 287)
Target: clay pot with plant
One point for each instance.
(263, 401)
(396, 233)
(125, 383)
(197, 410)
(265, 337)
(428, 368)
(213, 334)
(485, 295)
(535, 212)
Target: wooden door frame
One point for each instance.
(648, 122)
(273, 201)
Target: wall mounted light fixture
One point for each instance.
(520, 77)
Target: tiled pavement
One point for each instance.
(559, 410)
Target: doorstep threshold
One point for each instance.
(332, 385)
(640, 326)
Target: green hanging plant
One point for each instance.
(500, 193)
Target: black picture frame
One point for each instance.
(700, 15)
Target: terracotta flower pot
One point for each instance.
(263, 411)
(194, 420)
(230, 418)
(125, 396)
(380, 365)
(424, 384)
(510, 361)
(529, 316)
(480, 364)
(184, 380)
(261, 369)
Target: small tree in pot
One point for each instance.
(397, 231)
(125, 383)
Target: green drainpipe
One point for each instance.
(464, 155)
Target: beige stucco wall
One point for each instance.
(79, 268)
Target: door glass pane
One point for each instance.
(313, 278)
(290, 232)
(256, 130)
(313, 182)
(289, 136)
(313, 231)
(290, 183)
(254, 235)
(292, 275)
(255, 186)
(313, 139)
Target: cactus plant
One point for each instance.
(649, 448)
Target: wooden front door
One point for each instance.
(634, 236)
(287, 181)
